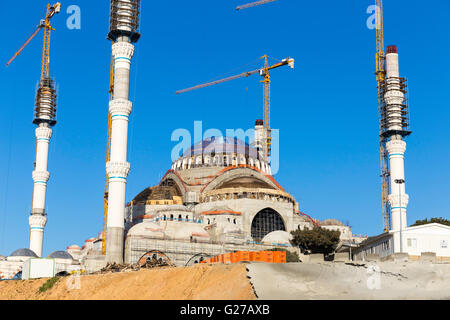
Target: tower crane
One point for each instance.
(263, 72)
(46, 25)
(380, 73)
(44, 119)
(254, 4)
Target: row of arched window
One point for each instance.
(172, 217)
(213, 220)
(220, 160)
(180, 218)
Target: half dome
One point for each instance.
(147, 229)
(277, 237)
(186, 231)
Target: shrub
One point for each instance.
(316, 240)
(48, 284)
(290, 256)
(432, 220)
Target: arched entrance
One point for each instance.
(198, 258)
(156, 257)
(266, 221)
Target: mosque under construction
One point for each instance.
(220, 195)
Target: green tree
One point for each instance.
(432, 220)
(316, 240)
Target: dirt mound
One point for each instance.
(199, 282)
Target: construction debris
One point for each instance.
(122, 267)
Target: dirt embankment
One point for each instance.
(200, 282)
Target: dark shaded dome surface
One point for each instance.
(60, 255)
(24, 252)
(220, 145)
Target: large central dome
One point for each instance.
(221, 145)
(220, 152)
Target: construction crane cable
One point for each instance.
(233, 71)
(275, 59)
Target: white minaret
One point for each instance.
(395, 123)
(124, 23)
(44, 118)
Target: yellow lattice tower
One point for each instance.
(381, 75)
(266, 106)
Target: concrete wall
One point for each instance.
(341, 257)
(383, 247)
(249, 209)
(180, 252)
(9, 269)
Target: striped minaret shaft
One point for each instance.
(124, 23)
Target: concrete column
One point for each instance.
(118, 167)
(41, 176)
(396, 147)
(259, 142)
(398, 199)
(37, 223)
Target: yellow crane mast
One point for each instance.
(267, 128)
(108, 154)
(381, 76)
(264, 72)
(45, 83)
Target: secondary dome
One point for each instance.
(277, 237)
(24, 252)
(60, 255)
(168, 191)
(186, 231)
(22, 255)
(148, 229)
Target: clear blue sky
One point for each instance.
(325, 109)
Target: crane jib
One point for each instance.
(25, 44)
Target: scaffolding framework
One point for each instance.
(265, 222)
(387, 117)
